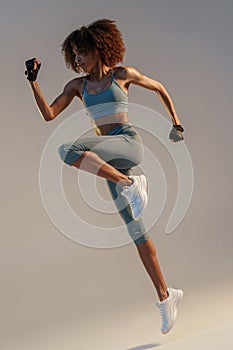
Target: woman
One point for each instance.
(97, 50)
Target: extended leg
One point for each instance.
(147, 253)
(169, 298)
(144, 244)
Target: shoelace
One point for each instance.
(162, 312)
(130, 199)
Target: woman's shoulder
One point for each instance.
(123, 72)
(76, 81)
(76, 85)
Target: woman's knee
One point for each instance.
(63, 150)
(68, 153)
(138, 236)
(142, 239)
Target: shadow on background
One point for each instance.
(144, 346)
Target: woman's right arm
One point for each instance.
(49, 112)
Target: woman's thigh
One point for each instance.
(121, 151)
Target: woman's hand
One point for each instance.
(33, 66)
(176, 133)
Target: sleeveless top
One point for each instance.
(110, 101)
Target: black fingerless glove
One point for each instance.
(178, 128)
(31, 72)
(176, 133)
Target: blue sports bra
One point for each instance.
(110, 101)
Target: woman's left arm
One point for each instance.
(135, 77)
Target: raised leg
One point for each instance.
(92, 163)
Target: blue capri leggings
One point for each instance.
(122, 148)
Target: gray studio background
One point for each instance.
(52, 287)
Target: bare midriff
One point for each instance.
(107, 123)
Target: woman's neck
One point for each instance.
(98, 72)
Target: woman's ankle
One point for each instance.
(125, 182)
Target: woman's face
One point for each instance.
(85, 60)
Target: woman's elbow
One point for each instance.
(159, 88)
(49, 116)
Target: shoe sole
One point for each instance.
(178, 299)
(143, 188)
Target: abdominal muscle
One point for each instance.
(109, 122)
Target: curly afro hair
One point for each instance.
(102, 35)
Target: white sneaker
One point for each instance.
(168, 309)
(136, 195)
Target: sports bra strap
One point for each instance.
(113, 79)
(84, 84)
